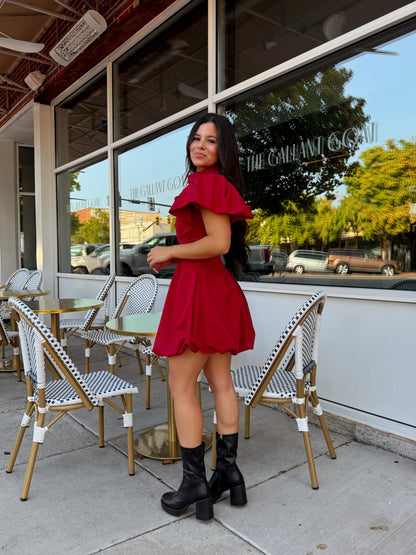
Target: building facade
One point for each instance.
(321, 99)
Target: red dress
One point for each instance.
(205, 309)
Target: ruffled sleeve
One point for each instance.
(212, 191)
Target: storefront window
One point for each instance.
(164, 74)
(329, 158)
(83, 218)
(150, 176)
(255, 35)
(81, 122)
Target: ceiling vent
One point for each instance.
(82, 34)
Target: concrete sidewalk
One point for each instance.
(82, 500)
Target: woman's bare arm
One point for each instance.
(216, 242)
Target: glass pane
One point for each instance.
(165, 73)
(145, 196)
(27, 233)
(26, 169)
(83, 217)
(329, 162)
(81, 122)
(257, 35)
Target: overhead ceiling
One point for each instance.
(47, 21)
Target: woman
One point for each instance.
(206, 319)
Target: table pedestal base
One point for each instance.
(155, 444)
(6, 365)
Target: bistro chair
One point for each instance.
(10, 338)
(69, 326)
(73, 391)
(140, 296)
(288, 376)
(15, 282)
(33, 283)
(405, 285)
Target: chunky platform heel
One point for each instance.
(227, 475)
(194, 487)
(238, 496)
(204, 509)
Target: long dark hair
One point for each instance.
(228, 166)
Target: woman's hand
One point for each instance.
(159, 257)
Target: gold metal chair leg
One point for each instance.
(148, 378)
(247, 422)
(100, 426)
(31, 462)
(111, 354)
(139, 361)
(29, 411)
(130, 452)
(87, 358)
(311, 462)
(63, 333)
(156, 362)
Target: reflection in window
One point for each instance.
(81, 122)
(255, 35)
(151, 175)
(329, 162)
(165, 73)
(83, 217)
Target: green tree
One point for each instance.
(95, 230)
(75, 223)
(282, 124)
(381, 192)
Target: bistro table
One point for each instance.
(55, 307)
(5, 295)
(160, 442)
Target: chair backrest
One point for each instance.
(36, 340)
(405, 284)
(296, 348)
(140, 295)
(101, 296)
(17, 280)
(34, 280)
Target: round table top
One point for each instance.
(49, 306)
(21, 293)
(136, 324)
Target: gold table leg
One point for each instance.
(161, 442)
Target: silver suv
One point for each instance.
(307, 261)
(133, 262)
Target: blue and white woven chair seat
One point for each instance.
(281, 386)
(104, 337)
(71, 323)
(102, 384)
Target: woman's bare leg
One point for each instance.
(217, 370)
(183, 373)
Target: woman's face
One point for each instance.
(203, 148)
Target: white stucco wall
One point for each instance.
(9, 247)
(366, 358)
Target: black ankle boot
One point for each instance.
(227, 475)
(194, 487)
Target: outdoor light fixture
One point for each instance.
(82, 34)
(35, 79)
